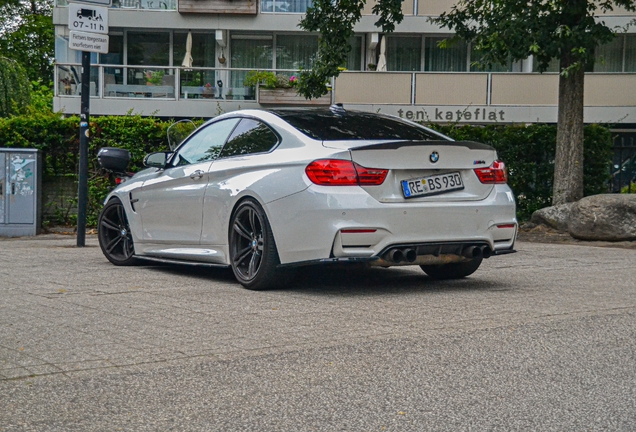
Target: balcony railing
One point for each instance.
(157, 82)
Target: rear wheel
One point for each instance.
(253, 253)
(114, 234)
(453, 270)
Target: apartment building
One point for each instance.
(144, 70)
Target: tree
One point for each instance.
(504, 30)
(334, 19)
(27, 35)
(14, 87)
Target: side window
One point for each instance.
(206, 144)
(249, 137)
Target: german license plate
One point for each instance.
(432, 185)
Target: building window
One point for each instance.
(454, 58)
(115, 54)
(553, 66)
(609, 57)
(404, 53)
(285, 6)
(249, 52)
(630, 53)
(203, 49)
(295, 52)
(354, 58)
(149, 48)
(495, 67)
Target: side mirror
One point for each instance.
(156, 160)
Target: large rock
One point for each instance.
(604, 217)
(555, 217)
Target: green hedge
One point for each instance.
(527, 150)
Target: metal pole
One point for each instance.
(82, 193)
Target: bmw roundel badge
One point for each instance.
(434, 157)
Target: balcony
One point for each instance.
(480, 96)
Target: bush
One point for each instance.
(629, 189)
(528, 152)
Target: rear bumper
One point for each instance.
(426, 254)
(308, 226)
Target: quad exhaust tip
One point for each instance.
(409, 255)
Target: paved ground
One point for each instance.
(544, 339)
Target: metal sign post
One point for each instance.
(92, 23)
(82, 192)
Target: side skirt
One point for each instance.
(181, 262)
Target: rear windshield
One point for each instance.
(326, 126)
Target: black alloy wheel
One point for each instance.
(114, 234)
(253, 253)
(452, 271)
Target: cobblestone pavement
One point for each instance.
(542, 339)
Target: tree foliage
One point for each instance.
(14, 88)
(27, 35)
(501, 30)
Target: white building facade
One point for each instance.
(143, 71)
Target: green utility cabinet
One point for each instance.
(20, 192)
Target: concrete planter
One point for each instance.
(288, 96)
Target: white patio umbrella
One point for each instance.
(382, 60)
(187, 60)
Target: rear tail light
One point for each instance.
(494, 174)
(120, 180)
(338, 172)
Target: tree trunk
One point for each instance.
(568, 164)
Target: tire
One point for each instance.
(114, 235)
(452, 271)
(253, 253)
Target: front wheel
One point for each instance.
(453, 270)
(114, 234)
(253, 253)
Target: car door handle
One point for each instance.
(196, 175)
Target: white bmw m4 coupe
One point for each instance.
(261, 191)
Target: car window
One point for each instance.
(249, 137)
(354, 125)
(206, 144)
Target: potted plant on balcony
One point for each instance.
(154, 77)
(207, 91)
(264, 79)
(280, 89)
